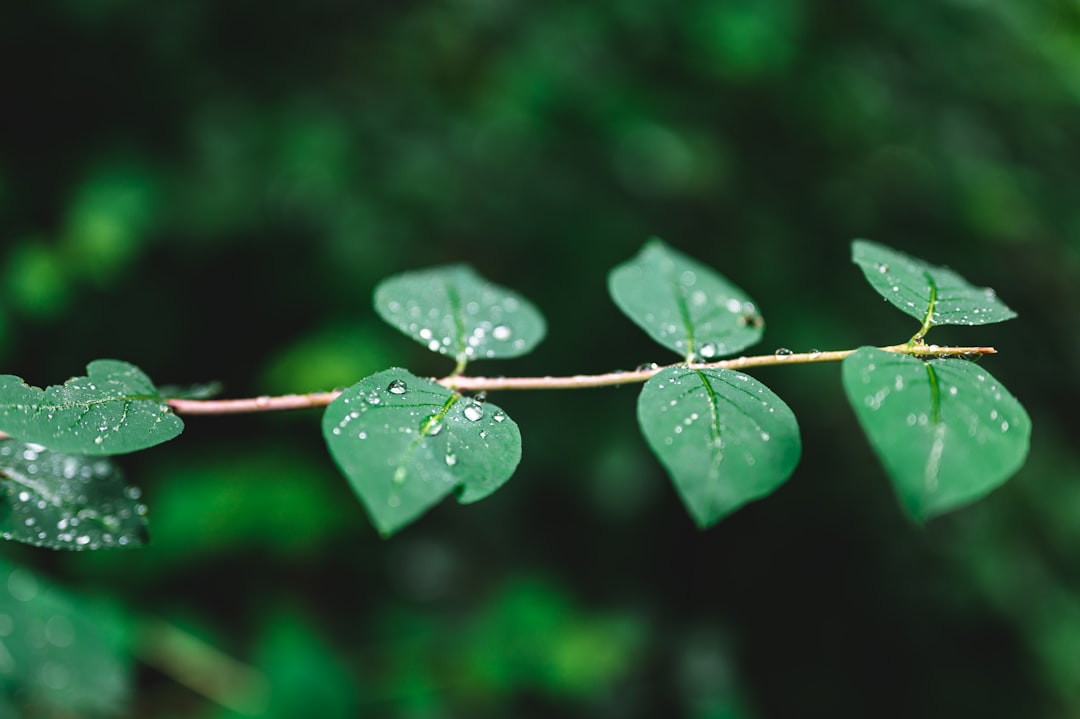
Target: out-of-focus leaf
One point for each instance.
(64, 501)
(59, 654)
(204, 390)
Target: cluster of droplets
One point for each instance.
(707, 322)
(744, 438)
(65, 501)
(486, 327)
(427, 423)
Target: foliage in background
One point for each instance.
(234, 180)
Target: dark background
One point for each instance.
(211, 190)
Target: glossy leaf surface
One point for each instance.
(63, 501)
(724, 437)
(946, 431)
(405, 443)
(683, 304)
(113, 410)
(454, 311)
(929, 293)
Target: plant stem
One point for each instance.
(202, 668)
(608, 379)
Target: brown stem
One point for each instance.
(608, 379)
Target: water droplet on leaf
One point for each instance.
(397, 387)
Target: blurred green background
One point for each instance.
(211, 190)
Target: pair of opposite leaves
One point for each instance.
(945, 430)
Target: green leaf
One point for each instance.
(64, 501)
(405, 443)
(724, 437)
(933, 295)
(60, 655)
(945, 429)
(113, 410)
(203, 390)
(454, 311)
(684, 305)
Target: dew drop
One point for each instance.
(473, 411)
(399, 475)
(397, 387)
(451, 459)
(99, 439)
(501, 333)
(883, 268)
(815, 353)
(434, 427)
(709, 350)
(132, 493)
(783, 352)
(498, 416)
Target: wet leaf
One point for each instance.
(113, 410)
(724, 437)
(63, 501)
(933, 295)
(684, 305)
(59, 655)
(945, 429)
(454, 311)
(405, 443)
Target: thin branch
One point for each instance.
(252, 404)
(202, 668)
(581, 381)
